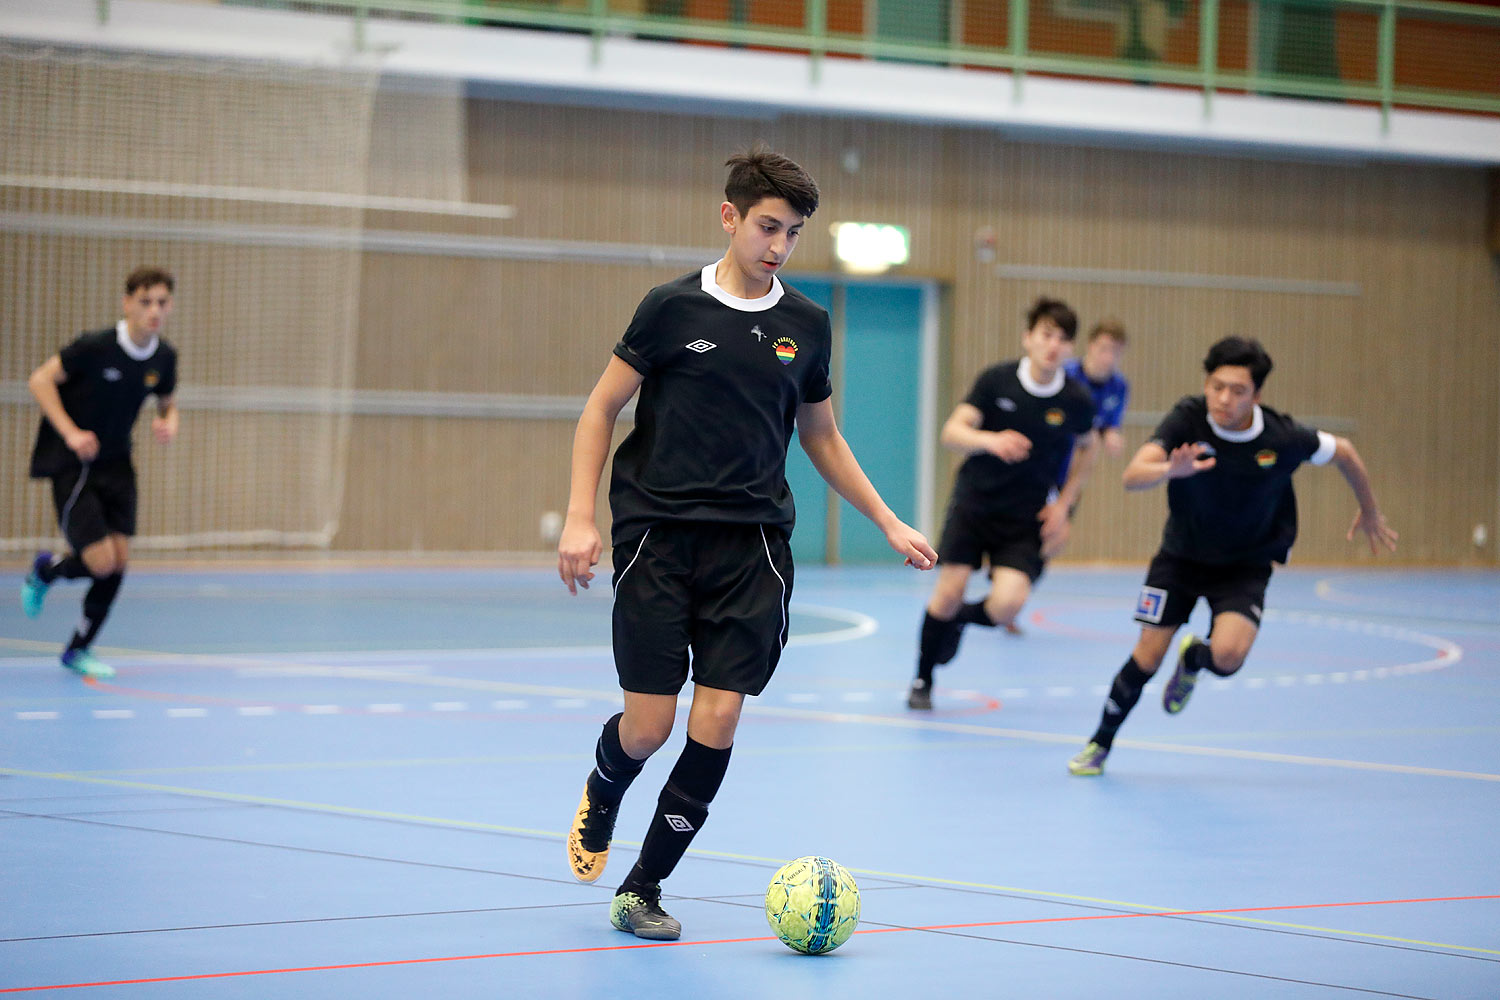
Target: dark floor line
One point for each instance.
(1163, 961)
(1223, 923)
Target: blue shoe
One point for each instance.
(85, 664)
(1179, 689)
(33, 589)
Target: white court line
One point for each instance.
(186, 713)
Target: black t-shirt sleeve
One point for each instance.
(168, 384)
(982, 392)
(644, 345)
(81, 356)
(819, 384)
(1306, 439)
(1176, 428)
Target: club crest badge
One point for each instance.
(786, 349)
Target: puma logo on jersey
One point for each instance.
(701, 345)
(759, 334)
(1007, 404)
(111, 374)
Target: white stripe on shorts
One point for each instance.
(783, 585)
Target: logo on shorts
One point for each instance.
(1054, 417)
(152, 377)
(111, 374)
(786, 349)
(1150, 605)
(678, 823)
(701, 345)
(1265, 458)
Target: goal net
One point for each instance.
(247, 181)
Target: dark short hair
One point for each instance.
(1108, 327)
(760, 173)
(1057, 311)
(149, 277)
(1241, 352)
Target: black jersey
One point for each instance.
(1051, 416)
(108, 380)
(1243, 510)
(723, 379)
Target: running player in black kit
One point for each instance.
(727, 361)
(1020, 422)
(90, 393)
(1231, 514)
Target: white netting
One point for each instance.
(248, 182)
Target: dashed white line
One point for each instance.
(507, 704)
(386, 708)
(114, 713)
(321, 709)
(29, 716)
(186, 713)
(256, 710)
(450, 706)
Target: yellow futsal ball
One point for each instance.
(813, 905)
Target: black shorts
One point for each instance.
(970, 540)
(95, 501)
(1173, 585)
(720, 590)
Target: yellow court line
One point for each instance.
(328, 808)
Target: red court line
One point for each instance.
(746, 940)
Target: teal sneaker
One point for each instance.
(1174, 697)
(1088, 761)
(643, 916)
(85, 664)
(33, 588)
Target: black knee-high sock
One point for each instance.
(614, 769)
(95, 609)
(1197, 657)
(680, 812)
(974, 614)
(1123, 694)
(939, 644)
(69, 567)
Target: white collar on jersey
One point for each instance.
(122, 334)
(766, 301)
(1257, 424)
(1031, 385)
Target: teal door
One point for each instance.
(878, 391)
(810, 539)
(877, 330)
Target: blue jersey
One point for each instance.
(1110, 399)
(1110, 396)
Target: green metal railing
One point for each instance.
(1386, 53)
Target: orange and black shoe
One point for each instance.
(588, 840)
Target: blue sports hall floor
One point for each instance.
(348, 781)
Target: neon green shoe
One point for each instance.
(1174, 697)
(85, 664)
(33, 588)
(643, 916)
(1088, 761)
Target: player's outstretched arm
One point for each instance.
(1368, 518)
(43, 384)
(579, 547)
(1152, 464)
(830, 455)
